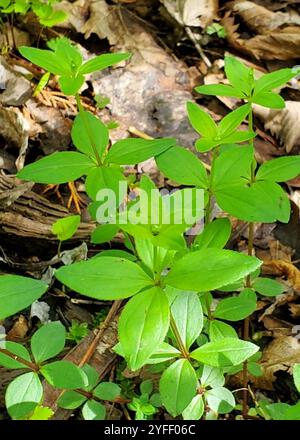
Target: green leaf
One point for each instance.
(18, 350)
(107, 391)
(238, 307)
(89, 134)
(23, 394)
(65, 375)
(188, 316)
(195, 410)
(224, 352)
(280, 169)
(140, 337)
(104, 233)
(254, 369)
(104, 278)
(41, 413)
(71, 400)
(201, 121)
(220, 90)
(46, 59)
(232, 167)
(59, 167)
(269, 99)
(233, 120)
(277, 411)
(268, 287)
(17, 293)
(48, 341)
(64, 228)
(238, 136)
(219, 330)
(191, 170)
(70, 85)
(164, 353)
(273, 80)
(105, 178)
(209, 269)
(57, 16)
(296, 376)
(93, 410)
(132, 151)
(293, 412)
(177, 386)
(211, 377)
(263, 202)
(146, 387)
(238, 74)
(220, 400)
(102, 62)
(215, 234)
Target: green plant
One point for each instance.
(77, 331)
(170, 317)
(44, 10)
(145, 405)
(216, 29)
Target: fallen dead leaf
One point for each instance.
(192, 12)
(19, 330)
(283, 268)
(283, 124)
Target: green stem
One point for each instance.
(87, 127)
(209, 207)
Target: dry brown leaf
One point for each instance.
(283, 268)
(19, 330)
(192, 12)
(283, 124)
(276, 44)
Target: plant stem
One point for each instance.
(209, 207)
(59, 249)
(176, 333)
(17, 358)
(82, 112)
(246, 327)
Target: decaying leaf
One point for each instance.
(283, 124)
(15, 89)
(277, 34)
(283, 268)
(192, 12)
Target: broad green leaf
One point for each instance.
(190, 172)
(268, 287)
(220, 400)
(57, 16)
(210, 376)
(280, 169)
(93, 410)
(104, 233)
(70, 85)
(64, 228)
(164, 353)
(17, 293)
(209, 269)
(238, 74)
(177, 386)
(220, 90)
(195, 410)
(102, 62)
(238, 307)
(46, 59)
(219, 330)
(188, 316)
(237, 137)
(146, 387)
(71, 400)
(59, 167)
(107, 391)
(233, 120)
(201, 121)
(263, 202)
(215, 234)
(232, 167)
(140, 337)
(41, 413)
(104, 278)
(277, 411)
(65, 375)
(132, 151)
(16, 349)
(255, 369)
(293, 412)
(269, 99)
(48, 341)
(296, 376)
(224, 352)
(116, 253)
(106, 179)
(89, 134)
(273, 80)
(145, 250)
(23, 394)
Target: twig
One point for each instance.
(192, 37)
